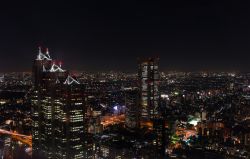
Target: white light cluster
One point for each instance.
(70, 80)
(56, 68)
(42, 56)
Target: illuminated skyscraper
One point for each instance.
(70, 130)
(149, 88)
(42, 62)
(150, 102)
(58, 111)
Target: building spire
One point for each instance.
(47, 51)
(39, 53)
(70, 80)
(56, 68)
(39, 49)
(42, 56)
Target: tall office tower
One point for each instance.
(42, 62)
(132, 108)
(71, 126)
(58, 111)
(149, 88)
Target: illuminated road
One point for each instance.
(20, 137)
(189, 133)
(112, 120)
(185, 133)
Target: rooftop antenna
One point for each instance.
(47, 51)
(39, 49)
(39, 53)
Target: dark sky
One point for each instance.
(110, 35)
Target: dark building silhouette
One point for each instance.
(132, 107)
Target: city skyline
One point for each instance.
(76, 69)
(124, 79)
(50, 114)
(187, 36)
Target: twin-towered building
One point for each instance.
(58, 111)
(58, 108)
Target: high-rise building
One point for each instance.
(160, 135)
(160, 129)
(149, 88)
(94, 114)
(132, 108)
(58, 111)
(151, 109)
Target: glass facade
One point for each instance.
(149, 83)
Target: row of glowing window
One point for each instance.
(79, 120)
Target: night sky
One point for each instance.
(188, 35)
